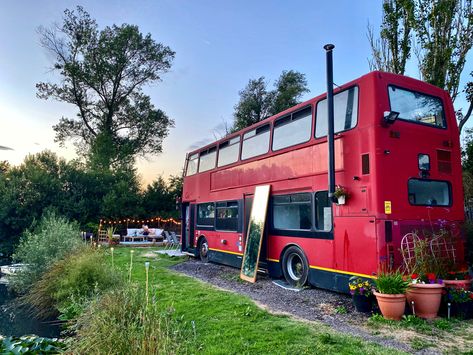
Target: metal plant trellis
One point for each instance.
(408, 246)
(442, 248)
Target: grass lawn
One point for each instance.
(452, 336)
(221, 322)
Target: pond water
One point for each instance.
(17, 322)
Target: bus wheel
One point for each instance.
(295, 266)
(204, 250)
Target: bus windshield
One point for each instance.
(417, 107)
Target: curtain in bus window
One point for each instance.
(292, 212)
(417, 107)
(255, 142)
(228, 151)
(345, 112)
(207, 159)
(292, 129)
(227, 216)
(324, 211)
(205, 214)
(192, 164)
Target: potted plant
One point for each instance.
(457, 279)
(390, 294)
(461, 302)
(361, 291)
(424, 295)
(112, 238)
(341, 194)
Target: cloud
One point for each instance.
(200, 143)
(5, 148)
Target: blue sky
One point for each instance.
(219, 46)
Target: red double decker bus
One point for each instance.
(397, 154)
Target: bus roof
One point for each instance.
(379, 74)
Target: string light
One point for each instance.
(154, 219)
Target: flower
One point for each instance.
(431, 276)
(360, 286)
(414, 276)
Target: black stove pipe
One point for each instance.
(330, 131)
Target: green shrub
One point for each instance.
(53, 238)
(70, 283)
(119, 322)
(391, 283)
(30, 344)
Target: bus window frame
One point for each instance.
(313, 233)
(239, 151)
(240, 219)
(290, 114)
(450, 193)
(270, 125)
(206, 227)
(187, 163)
(422, 93)
(325, 98)
(206, 152)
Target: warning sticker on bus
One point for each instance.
(387, 207)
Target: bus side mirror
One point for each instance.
(390, 117)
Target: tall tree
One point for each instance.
(444, 31)
(391, 51)
(463, 118)
(254, 104)
(289, 89)
(257, 102)
(103, 73)
(444, 35)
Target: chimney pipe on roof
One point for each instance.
(330, 131)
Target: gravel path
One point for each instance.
(309, 304)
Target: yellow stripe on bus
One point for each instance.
(311, 266)
(341, 271)
(275, 260)
(226, 251)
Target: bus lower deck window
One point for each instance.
(429, 192)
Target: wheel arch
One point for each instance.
(287, 246)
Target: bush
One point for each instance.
(30, 344)
(119, 322)
(69, 285)
(52, 239)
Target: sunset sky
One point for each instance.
(219, 46)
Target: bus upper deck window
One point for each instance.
(192, 164)
(228, 151)
(417, 107)
(345, 112)
(255, 142)
(207, 159)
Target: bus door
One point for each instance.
(248, 199)
(188, 212)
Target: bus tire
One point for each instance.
(203, 250)
(295, 267)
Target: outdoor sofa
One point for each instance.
(136, 234)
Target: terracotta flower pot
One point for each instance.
(458, 284)
(426, 298)
(391, 306)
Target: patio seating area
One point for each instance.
(140, 237)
